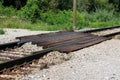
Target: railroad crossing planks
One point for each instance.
(79, 40)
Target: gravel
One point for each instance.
(27, 48)
(98, 62)
(54, 58)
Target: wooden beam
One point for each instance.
(74, 14)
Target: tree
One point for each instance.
(15, 3)
(116, 4)
(64, 4)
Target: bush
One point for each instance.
(62, 17)
(93, 5)
(30, 10)
(57, 18)
(100, 15)
(101, 18)
(7, 11)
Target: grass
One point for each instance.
(39, 25)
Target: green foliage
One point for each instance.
(46, 5)
(101, 24)
(58, 14)
(2, 31)
(64, 5)
(62, 17)
(116, 4)
(102, 18)
(103, 4)
(93, 5)
(100, 15)
(80, 20)
(62, 20)
(43, 26)
(30, 11)
(83, 5)
(7, 11)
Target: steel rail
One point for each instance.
(99, 29)
(9, 45)
(111, 35)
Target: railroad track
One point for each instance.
(13, 62)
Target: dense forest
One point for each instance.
(57, 14)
